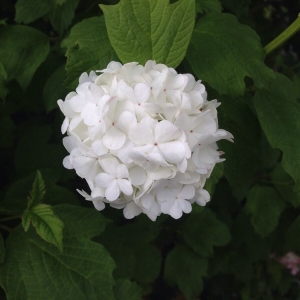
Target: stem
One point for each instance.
(10, 218)
(6, 228)
(284, 36)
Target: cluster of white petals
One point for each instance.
(143, 137)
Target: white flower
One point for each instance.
(143, 137)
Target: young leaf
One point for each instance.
(265, 205)
(34, 269)
(127, 290)
(202, 231)
(88, 49)
(3, 78)
(22, 50)
(38, 190)
(279, 113)
(223, 52)
(186, 269)
(140, 30)
(48, 226)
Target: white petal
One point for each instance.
(173, 152)
(187, 192)
(99, 148)
(165, 131)
(141, 134)
(185, 206)
(131, 210)
(137, 175)
(103, 180)
(175, 210)
(142, 92)
(99, 205)
(112, 192)
(126, 120)
(114, 138)
(67, 163)
(122, 172)
(65, 125)
(125, 186)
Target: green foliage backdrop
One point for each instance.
(55, 245)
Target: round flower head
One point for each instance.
(143, 137)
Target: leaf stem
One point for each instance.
(10, 218)
(6, 228)
(284, 36)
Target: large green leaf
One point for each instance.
(48, 226)
(279, 113)
(208, 6)
(223, 52)
(127, 290)
(132, 241)
(30, 10)
(88, 49)
(202, 231)
(34, 269)
(60, 12)
(242, 156)
(33, 152)
(140, 30)
(186, 269)
(3, 77)
(214, 177)
(22, 50)
(2, 249)
(54, 89)
(265, 206)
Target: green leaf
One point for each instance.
(140, 30)
(28, 11)
(38, 191)
(22, 50)
(34, 269)
(208, 6)
(2, 249)
(33, 152)
(279, 113)
(88, 49)
(202, 231)
(48, 226)
(284, 185)
(291, 239)
(127, 290)
(132, 241)
(62, 14)
(265, 206)
(223, 52)
(186, 269)
(215, 176)
(3, 78)
(236, 117)
(54, 89)
(7, 129)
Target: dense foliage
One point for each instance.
(56, 245)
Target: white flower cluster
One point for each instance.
(143, 137)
